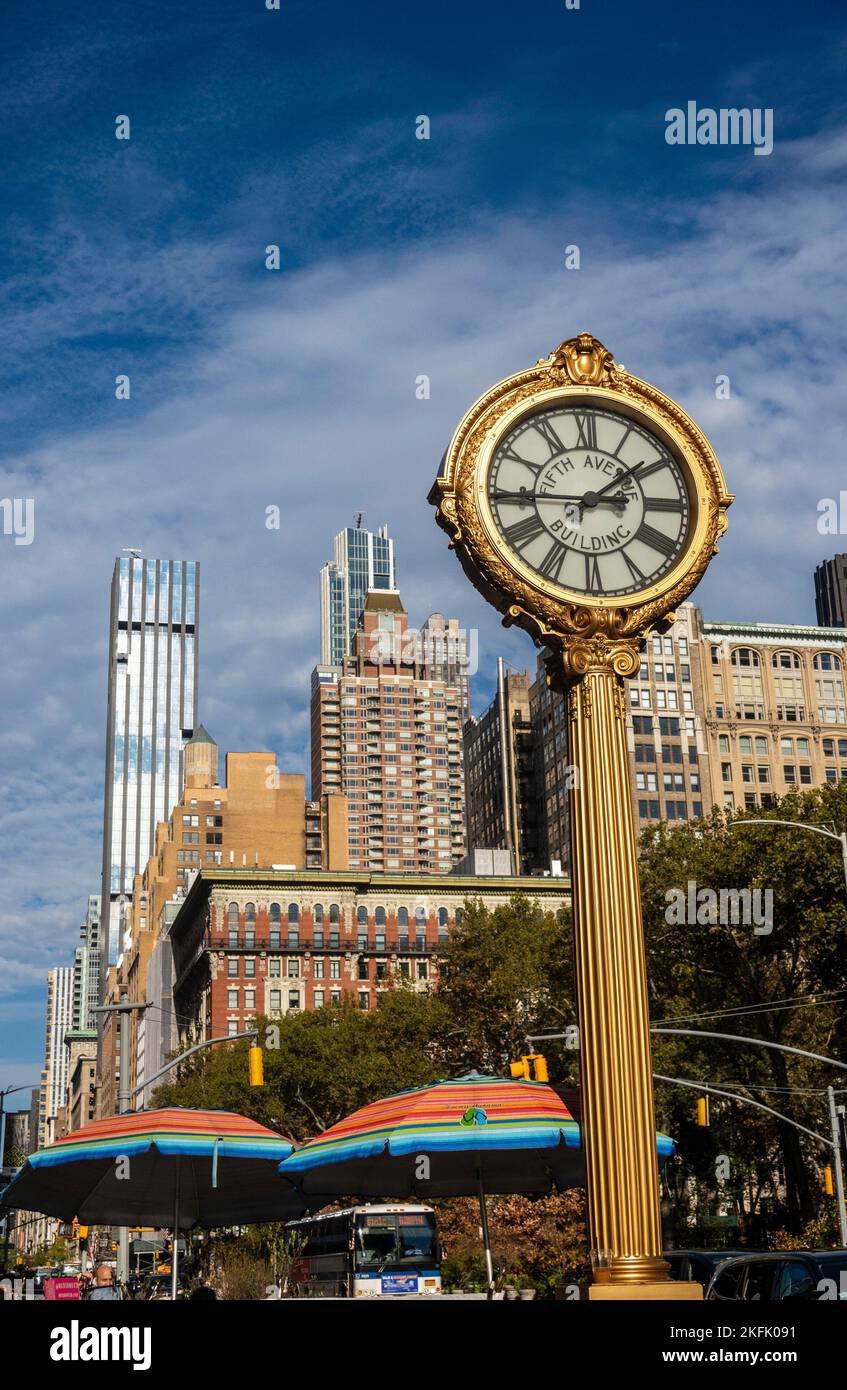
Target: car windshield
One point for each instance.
(834, 1267)
(391, 1239)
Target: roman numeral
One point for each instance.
(626, 435)
(663, 504)
(657, 540)
(633, 568)
(551, 565)
(507, 452)
(549, 435)
(520, 533)
(593, 583)
(586, 429)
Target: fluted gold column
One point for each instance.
(618, 1124)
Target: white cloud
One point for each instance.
(303, 396)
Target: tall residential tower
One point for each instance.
(363, 560)
(152, 712)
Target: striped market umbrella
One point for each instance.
(472, 1136)
(169, 1167)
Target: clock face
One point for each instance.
(590, 500)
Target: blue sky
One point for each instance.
(400, 257)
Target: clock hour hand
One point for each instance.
(616, 501)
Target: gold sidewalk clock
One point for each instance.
(585, 504)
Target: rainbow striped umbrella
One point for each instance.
(474, 1135)
(170, 1167)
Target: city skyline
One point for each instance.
(404, 259)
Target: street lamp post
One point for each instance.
(801, 825)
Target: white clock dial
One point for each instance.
(590, 500)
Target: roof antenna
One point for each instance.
(360, 516)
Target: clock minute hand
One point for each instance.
(620, 478)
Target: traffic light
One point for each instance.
(256, 1066)
(827, 1181)
(703, 1119)
(531, 1066)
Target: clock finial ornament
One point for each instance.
(585, 360)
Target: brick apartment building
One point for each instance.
(248, 942)
(387, 732)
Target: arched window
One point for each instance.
(362, 916)
(250, 914)
(827, 661)
(334, 914)
(379, 917)
(275, 914)
(786, 661)
(403, 917)
(420, 916)
(318, 914)
(232, 916)
(442, 917)
(459, 916)
(293, 913)
(744, 656)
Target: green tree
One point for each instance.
(505, 972)
(700, 969)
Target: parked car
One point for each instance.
(698, 1265)
(781, 1276)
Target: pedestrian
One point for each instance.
(104, 1284)
(201, 1294)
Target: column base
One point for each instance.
(668, 1290)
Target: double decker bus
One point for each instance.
(367, 1252)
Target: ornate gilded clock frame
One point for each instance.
(592, 644)
(579, 370)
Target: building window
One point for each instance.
(232, 998)
(276, 998)
(274, 967)
(293, 968)
(293, 1000)
(362, 916)
(232, 966)
(249, 998)
(318, 914)
(334, 913)
(318, 968)
(403, 917)
(335, 968)
(744, 656)
(274, 914)
(293, 913)
(249, 969)
(364, 1000)
(379, 917)
(319, 998)
(422, 970)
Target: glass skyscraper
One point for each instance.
(152, 712)
(363, 560)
